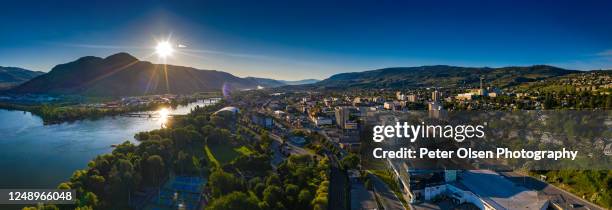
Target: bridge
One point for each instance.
(147, 115)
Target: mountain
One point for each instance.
(265, 82)
(441, 75)
(123, 75)
(11, 76)
(301, 82)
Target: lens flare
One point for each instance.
(164, 49)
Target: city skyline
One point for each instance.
(299, 40)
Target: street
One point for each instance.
(388, 199)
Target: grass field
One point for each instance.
(244, 151)
(223, 153)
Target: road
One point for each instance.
(278, 156)
(558, 195)
(338, 185)
(388, 199)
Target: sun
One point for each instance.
(164, 49)
(163, 112)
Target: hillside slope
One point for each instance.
(124, 75)
(10, 76)
(432, 76)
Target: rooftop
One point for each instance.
(498, 191)
(232, 109)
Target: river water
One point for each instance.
(33, 155)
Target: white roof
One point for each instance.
(230, 109)
(500, 192)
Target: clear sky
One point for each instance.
(311, 39)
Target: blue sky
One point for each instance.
(311, 39)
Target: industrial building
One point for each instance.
(485, 189)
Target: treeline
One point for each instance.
(52, 114)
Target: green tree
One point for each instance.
(222, 183)
(272, 194)
(89, 199)
(155, 169)
(351, 161)
(304, 198)
(235, 200)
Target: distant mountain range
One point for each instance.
(441, 75)
(123, 75)
(277, 83)
(11, 76)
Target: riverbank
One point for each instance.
(55, 151)
(68, 111)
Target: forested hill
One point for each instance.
(441, 75)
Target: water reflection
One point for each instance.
(163, 113)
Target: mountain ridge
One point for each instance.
(122, 74)
(442, 75)
(11, 76)
(277, 83)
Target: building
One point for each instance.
(435, 109)
(489, 190)
(351, 125)
(392, 105)
(358, 101)
(464, 96)
(481, 91)
(484, 189)
(321, 121)
(400, 96)
(343, 117)
(434, 106)
(436, 95)
(412, 98)
(378, 99)
(229, 109)
(262, 120)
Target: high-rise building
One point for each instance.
(342, 115)
(436, 95)
(411, 98)
(482, 91)
(400, 96)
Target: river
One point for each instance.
(33, 155)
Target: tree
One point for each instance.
(155, 169)
(351, 161)
(64, 186)
(222, 183)
(273, 180)
(184, 138)
(272, 194)
(235, 200)
(89, 199)
(123, 178)
(304, 198)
